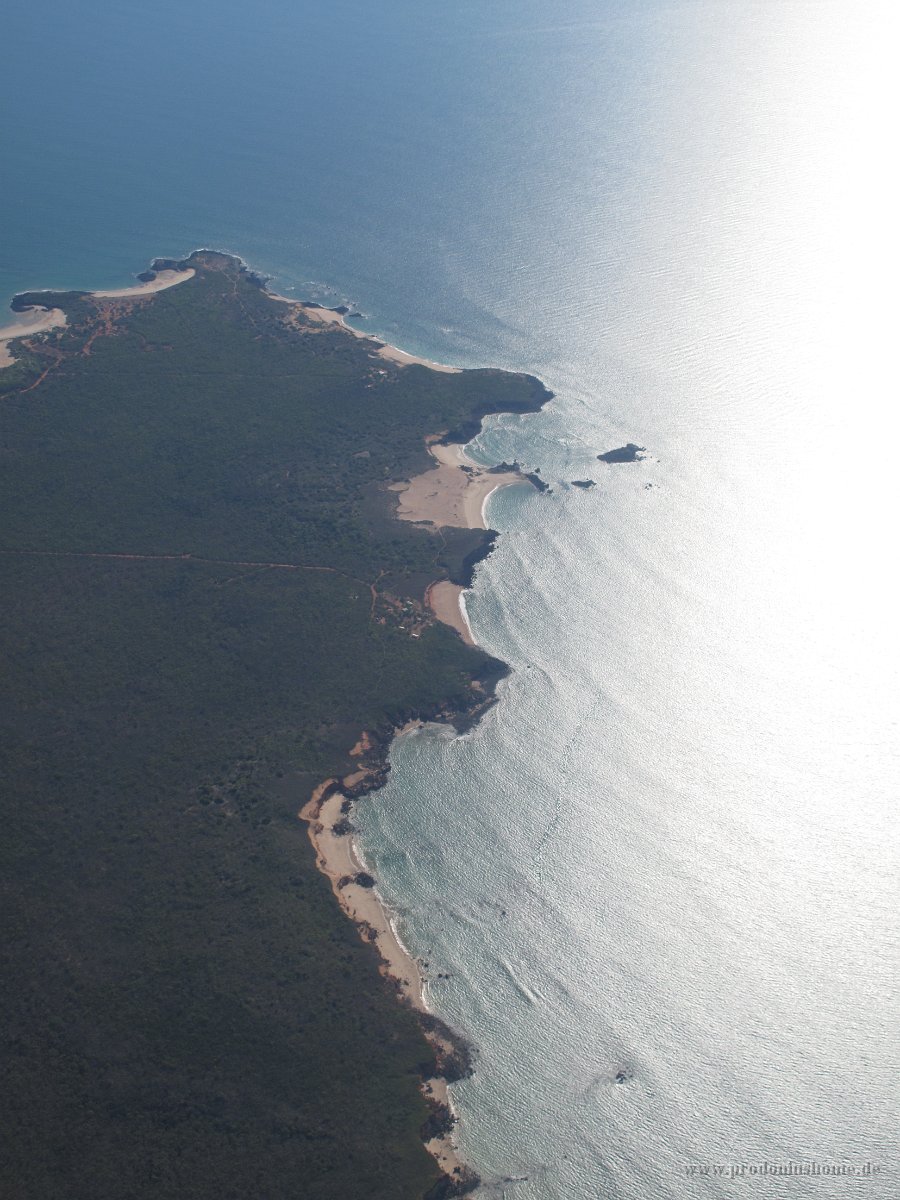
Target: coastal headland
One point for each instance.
(35, 319)
(209, 596)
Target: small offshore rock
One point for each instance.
(623, 454)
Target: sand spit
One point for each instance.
(34, 320)
(329, 316)
(337, 856)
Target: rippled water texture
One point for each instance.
(661, 875)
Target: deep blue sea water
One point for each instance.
(670, 852)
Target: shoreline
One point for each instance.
(37, 319)
(447, 602)
(164, 279)
(170, 273)
(34, 320)
(338, 857)
(331, 316)
(454, 492)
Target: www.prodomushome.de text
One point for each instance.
(807, 1169)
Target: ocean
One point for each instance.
(657, 885)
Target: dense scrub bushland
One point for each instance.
(186, 1012)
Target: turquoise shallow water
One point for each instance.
(670, 851)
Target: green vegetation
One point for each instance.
(188, 1014)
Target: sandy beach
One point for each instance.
(163, 280)
(452, 492)
(338, 858)
(445, 599)
(35, 320)
(42, 320)
(327, 316)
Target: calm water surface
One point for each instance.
(669, 854)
